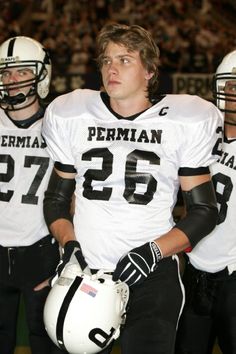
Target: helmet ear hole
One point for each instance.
(83, 313)
(101, 280)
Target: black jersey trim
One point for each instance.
(229, 141)
(230, 123)
(106, 100)
(186, 171)
(26, 123)
(64, 168)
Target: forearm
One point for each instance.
(172, 242)
(63, 231)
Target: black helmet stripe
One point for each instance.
(63, 311)
(10, 48)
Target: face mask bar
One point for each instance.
(219, 93)
(14, 103)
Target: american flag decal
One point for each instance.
(88, 290)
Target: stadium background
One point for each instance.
(193, 36)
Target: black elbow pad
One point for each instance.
(202, 212)
(58, 197)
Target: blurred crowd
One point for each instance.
(193, 35)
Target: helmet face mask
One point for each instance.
(15, 93)
(84, 313)
(18, 53)
(224, 84)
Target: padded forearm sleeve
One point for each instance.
(57, 200)
(202, 212)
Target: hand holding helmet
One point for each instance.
(71, 253)
(83, 313)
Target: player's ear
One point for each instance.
(148, 75)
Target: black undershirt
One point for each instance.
(26, 123)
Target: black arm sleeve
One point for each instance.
(202, 212)
(57, 200)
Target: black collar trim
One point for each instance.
(106, 100)
(26, 123)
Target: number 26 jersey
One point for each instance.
(127, 170)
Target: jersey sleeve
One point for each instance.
(202, 140)
(55, 133)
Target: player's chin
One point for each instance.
(115, 94)
(112, 89)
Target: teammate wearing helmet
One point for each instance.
(125, 152)
(210, 275)
(28, 253)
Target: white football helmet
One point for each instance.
(226, 71)
(24, 52)
(83, 313)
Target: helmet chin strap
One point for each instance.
(19, 101)
(14, 100)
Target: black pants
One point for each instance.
(21, 269)
(153, 313)
(209, 313)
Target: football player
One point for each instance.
(28, 253)
(125, 152)
(210, 275)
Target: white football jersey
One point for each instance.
(25, 168)
(218, 249)
(127, 170)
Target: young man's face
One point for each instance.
(11, 77)
(123, 73)
(16, 83)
